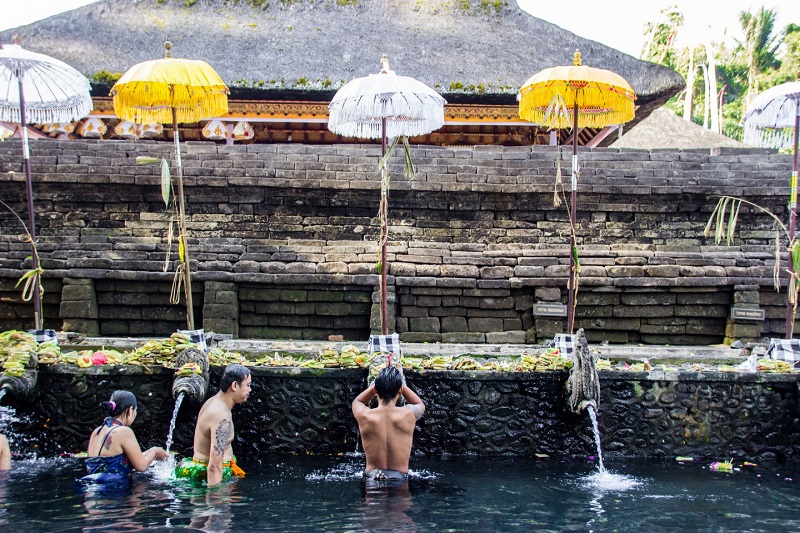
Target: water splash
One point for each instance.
(593, 416)
(178, 402)
(346, 471)
(609, 482)
(8, 416)
(163, 470)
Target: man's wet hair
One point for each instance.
(234, 372)
(388, 383)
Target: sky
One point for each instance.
(619, 24)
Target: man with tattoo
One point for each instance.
(387, 431)
(213, 460)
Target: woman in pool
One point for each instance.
(113, 449)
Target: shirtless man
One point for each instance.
(213, 460)
(387, 431)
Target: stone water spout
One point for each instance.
(583, 385)
(191, 378)
(21, 384)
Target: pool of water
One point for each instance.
(444, 494)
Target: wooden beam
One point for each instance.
(602, 134)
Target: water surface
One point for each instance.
(443, 494)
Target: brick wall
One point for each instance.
(474, 241)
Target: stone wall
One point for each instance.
(475, 240)
(657, 414)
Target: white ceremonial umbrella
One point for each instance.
(37, 88)
(385, 106)
(772, 120)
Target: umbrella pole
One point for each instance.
(187, 273)
(26, 156)
(573, 221)
(792, 223)
(384, 238)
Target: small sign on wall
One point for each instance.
(549, 309)
(739, 313)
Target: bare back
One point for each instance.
(387, 433)
(107, 441)
(214, 419)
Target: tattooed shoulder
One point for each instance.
(223, 435)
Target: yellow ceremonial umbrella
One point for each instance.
(177, 91)
(576, 97)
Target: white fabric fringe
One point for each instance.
(409, 106)
(770, 117)
(53, 91)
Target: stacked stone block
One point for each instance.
(474, 239)
(79, 307)
(303, 312)
(221, 308)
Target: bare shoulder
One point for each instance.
(414, 411)
(406, 415)
(213, 412)
(123, 433)
(365, 415)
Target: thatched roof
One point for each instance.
(317, 45)
(665, 129)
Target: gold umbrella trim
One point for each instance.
(148, 92)
(598, 104)
(603, 97)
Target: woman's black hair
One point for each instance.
(120, 402)
(234, 372)
(388, 383)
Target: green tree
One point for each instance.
(790, 59)
(660, 37)
(760, 46)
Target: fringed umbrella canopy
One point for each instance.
(38, 88)
(603, 97)
(53, 91)
(385, 106)
(575, 97)
(409, 106)
(149, 91)
(173, 91)
(770, 118)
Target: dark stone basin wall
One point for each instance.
(298, 411)
(700, 414)
(474, 241)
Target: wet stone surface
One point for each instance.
(710, 416)
(298, 411)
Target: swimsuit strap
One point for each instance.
(108, 422)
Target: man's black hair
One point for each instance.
(388, 383)
(234, 372)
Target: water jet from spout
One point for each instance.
(593, 416)
(178, 402)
